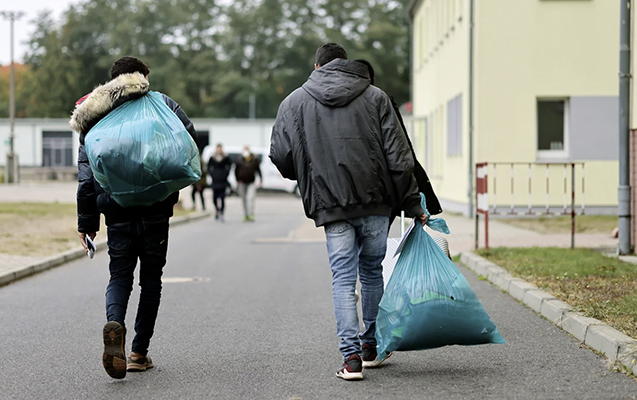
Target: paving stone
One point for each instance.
(606, 340)
(577, 324)
(494, 271)
(553, 310)
(503, 281)
(534, 299)
(518, 288)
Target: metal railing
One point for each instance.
(483, 206)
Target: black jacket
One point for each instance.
(246, 170)
(91, 198)
(219, 171)
(422, 179)
(341, 139)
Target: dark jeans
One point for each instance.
(198, 189)
(146, 239)
(219, 195)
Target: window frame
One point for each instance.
(551, 155)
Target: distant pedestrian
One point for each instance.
(340, 138)
(198, 188)
(219, 168)
(247, 167)
(136, 233)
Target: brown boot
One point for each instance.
(138, 363)
(114, 358)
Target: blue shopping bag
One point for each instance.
(428, 303)
(141, 152)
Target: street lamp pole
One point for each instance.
(11, 168)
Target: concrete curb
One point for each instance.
(15, 274)
(614, 345)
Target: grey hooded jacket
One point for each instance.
(340, 138)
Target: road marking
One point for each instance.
(176, 279)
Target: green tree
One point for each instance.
(211, 57)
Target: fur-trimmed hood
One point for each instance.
(105, 98)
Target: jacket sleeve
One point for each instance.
(399, 158)
(181, 114)
(422, 179)
(212, 163)
(281, 147)
(88, 216)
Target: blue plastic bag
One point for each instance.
(427, 302)
(141, 152)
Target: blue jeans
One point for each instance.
(356, 247)
(146, 239)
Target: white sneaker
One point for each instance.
(352, 369)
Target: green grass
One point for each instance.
(562, 224)
(601, 287)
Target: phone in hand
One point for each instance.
(90, 245)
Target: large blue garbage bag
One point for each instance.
(428, 303)
(141, 152)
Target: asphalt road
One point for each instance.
(258, 324)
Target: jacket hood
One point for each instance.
(338, 82)
(105, 98)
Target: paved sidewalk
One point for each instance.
(462, 235)
(39, 192)
(8, 262)
(501, 234)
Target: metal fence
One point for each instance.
(485, 208)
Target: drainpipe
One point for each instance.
(471, 166)
(624, 130)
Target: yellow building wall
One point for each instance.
(440, 73)
(523, 50)
(527, 49)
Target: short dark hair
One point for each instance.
(128, 65)
(329, 52)
(369, 68)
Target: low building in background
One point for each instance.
(47, 148)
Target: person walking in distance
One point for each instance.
(340, 138)
(219, 169)
(198, 188)
(136, 233)
(246, 170)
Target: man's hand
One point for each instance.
(424, 218)
(82, 236)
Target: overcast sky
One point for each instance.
(23, 28)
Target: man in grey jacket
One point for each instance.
(340, 138)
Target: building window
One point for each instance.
(552, 123)
(57, 149)
(454, 126)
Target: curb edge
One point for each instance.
(64, 257)
(623, 348)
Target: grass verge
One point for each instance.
(562, 224)
(601, 287)
(37, 229)
(43, 229)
